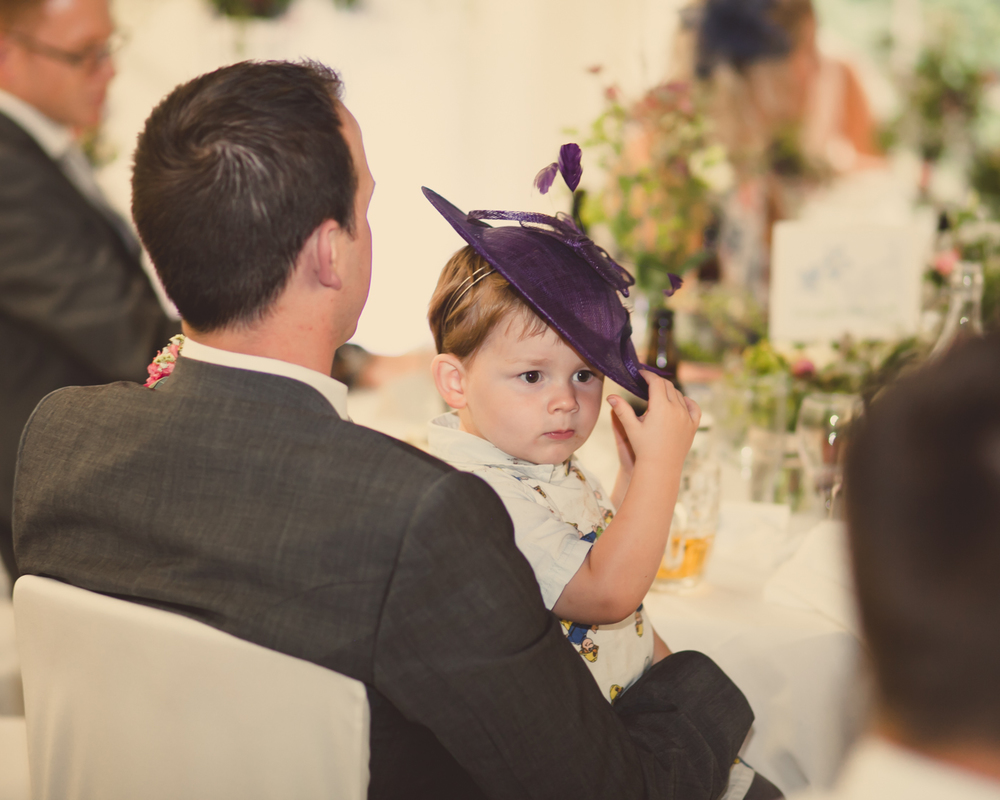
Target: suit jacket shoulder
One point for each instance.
(263, 510)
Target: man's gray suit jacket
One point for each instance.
(76, 307)
(242, 500)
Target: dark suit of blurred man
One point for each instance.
(76, 307)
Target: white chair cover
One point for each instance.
(126, 701)
(13, 759)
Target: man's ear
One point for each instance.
(330, 241)
(449, 378)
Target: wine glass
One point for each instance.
(750, 414)
(823, 419)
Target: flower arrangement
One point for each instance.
(667, 174)
(972, 234)
(846, 366)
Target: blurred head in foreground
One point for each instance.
(923, 509)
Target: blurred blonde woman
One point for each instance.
(766, 77)
(787, 114)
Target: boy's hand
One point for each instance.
(663, 434)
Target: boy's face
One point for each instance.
(532, 397)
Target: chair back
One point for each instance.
(127, 701)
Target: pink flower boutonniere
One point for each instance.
(164, 362)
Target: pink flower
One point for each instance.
(164, 362)
(945, 262)
(803, 368)
(683, 96)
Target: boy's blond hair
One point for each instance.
(470, 300)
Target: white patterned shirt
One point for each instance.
(558, 512)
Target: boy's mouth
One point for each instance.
(560, 435)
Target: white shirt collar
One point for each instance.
(53, 138)
(334, 391)
(465, 450)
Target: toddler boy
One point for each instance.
(528, 321)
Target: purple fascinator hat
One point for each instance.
(566, 279)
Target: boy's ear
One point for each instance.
(449, 378)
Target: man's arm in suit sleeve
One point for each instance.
(65, 275)
(466, 648)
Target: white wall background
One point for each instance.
(469, 97)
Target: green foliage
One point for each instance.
(250, 9)
(942, 98)
(991, 297)
(862, 368)
(763, 359)
(984, 176)
(263, 9)
(717, 319)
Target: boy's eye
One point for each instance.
(534, 376)
(584, 375)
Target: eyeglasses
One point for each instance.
(89, 60)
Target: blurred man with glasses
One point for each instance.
(76, 307)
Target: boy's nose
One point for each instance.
(563, 399)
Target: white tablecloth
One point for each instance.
(796, 666)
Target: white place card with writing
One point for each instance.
(863, 279)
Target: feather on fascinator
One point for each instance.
(736, 32)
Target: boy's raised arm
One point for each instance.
(620, 568)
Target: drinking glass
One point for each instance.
(750, 411)
(823, 420)
(695, 520)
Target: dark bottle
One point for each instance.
(661, 352)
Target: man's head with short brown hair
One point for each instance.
(233, 173)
